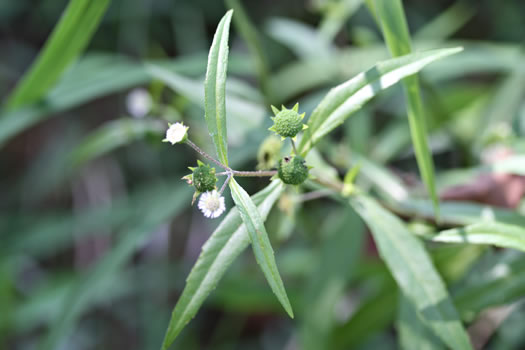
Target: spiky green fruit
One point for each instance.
(287, 122)
(203, 177)
(292, 170)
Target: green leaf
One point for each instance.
(414, 272)
(226, 243)
(347, 98)
(215, 88)
(69, 38)
(493, 233)
(89, 284)
(260, 242)
(412, 331)
(391, 17)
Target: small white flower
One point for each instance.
(212, 204)
(176, 133)
(139, 102)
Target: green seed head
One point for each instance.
(292, 170)
(287, 122)
(203, 177)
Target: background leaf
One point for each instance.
(350, 96)
(69, 38)
(414, 272)
(493, 233)
(391, 18)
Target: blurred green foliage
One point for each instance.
(98, 234)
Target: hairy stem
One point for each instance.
(229, 171)
(260, 173)
(206, 155)
(225, 183)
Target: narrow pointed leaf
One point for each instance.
(391, 18)
(215, 88)
(414, 272)
(491, 233)
(347, 98)
(69, 38)
(260, 243)
(226, 243)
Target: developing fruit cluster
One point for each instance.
(292, 170)
(202, 177)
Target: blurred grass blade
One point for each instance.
(502, 283)
(92, 76)
(218, 253)
(69, 38)
(414, 272)
(112, 135)
(448, 22)
(458, 213)
(338, 261)
(305, 41)
(252, 38)
(215, 88)
(262, 248)
(88, 285)
(490, 233)
(347, 98)
(336, 15)
(244, 114)
(391, 17)
(413, 334)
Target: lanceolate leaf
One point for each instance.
(260, 242)
(227, 242)
(493, 233)
(215, 88)
(68, 40)
(391, 18)
(414, 272)
(345, 99)
(413, 333)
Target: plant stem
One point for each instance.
(259, 173)
(225, 183)
(293, 146)
(206, 155)
(229, 171)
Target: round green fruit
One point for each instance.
(204, 178)
(292, 170)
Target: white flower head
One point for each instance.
(176, 133)
(139, 102)
(212, 204)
